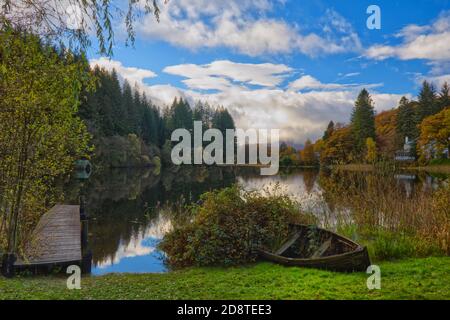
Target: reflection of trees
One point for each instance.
(309, 178)
(121, 202)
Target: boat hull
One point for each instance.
(339, 253)
(355, 261)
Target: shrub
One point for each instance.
(229, 225)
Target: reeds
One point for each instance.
(394, 217)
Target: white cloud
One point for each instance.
(131, 74)
(308, 82)
(219, 72)
(351, 74)
(299, 115)
(438, 81)
(418, 42)
(136, 246)
(243, 25)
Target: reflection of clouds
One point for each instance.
(142, 243)
(305, 189)
(310, 199)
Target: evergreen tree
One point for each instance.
(106, 118)
(427, 102)
(200, 113)
(128, 105)
(444, 97)
(363, 120)
(329, 131)
(406, 126)
(222, 120)
(149, 125)
(89, 106)
(180, 115)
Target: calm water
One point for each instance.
(127, 213)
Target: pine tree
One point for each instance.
(149, 125)
(106, 119)
(406, 125)
(444, 97)
(329, 131)
(222, 120)
(200, 113)
(128, 105)
(363, 120)
(427, 102)
(178, 116)
(115, 94)
(136, 113)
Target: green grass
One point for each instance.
(407, 279)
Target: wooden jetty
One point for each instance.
(56, 241)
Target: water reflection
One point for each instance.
(302, 185)
(137, 254)
(128, 216)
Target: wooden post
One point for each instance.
(8, 260)
(83, 215)
(86, 262)
(86, 253)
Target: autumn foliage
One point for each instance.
(434, 135)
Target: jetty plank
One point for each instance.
(56, 239)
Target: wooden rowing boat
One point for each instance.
(310, 246)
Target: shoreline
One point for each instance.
(438, 168)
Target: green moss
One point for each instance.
(408, 279)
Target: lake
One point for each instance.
(129, 209)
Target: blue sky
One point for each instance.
(292, 65)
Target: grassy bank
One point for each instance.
(442, 167)
(407, 279)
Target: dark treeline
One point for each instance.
(113, 109)
(129, 130)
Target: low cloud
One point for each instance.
(299, 115)
(308, 82)
(220, 73)
(437, 81)
(133, 75)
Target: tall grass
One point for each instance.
(392, 221)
